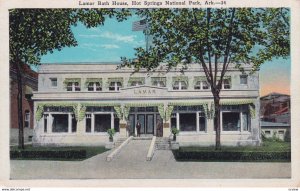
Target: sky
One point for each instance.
(115, 39)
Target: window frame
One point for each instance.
(49, 120)
(52, 79)
(245, 77)
(116, 87)
(27, 118)
(180, 85)
(94, 87)
(92, 117)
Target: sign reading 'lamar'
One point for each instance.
(144, 92)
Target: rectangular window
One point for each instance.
(231, 121)
(202, 122)
(205, 85)
(45, 122)
(246, 121)
(159, 84)
(281, 132)
(173, 120)
(94, 86)
(115, 86)
(73, 86)
(53, 82)
(187, 121)
(60, 123)
(179, 85)
(116, 123)
(102, 122)
(243, 79)
(27, 119)
(268, 132)
(74, 124)
(226, 83)
(88, 123)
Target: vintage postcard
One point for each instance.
(182, 93)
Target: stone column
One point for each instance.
(123, 130)
(166, 129)
(81, 127)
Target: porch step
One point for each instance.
(162, 143)
(120, 141)
(141, 138)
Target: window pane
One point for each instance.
(60, 123)
(205, 85)
(197, 85)
(102, 122)
(183, 85)
(227, 84)
(53, 82)
(77, 87)
(88, 124)
(117, 124)
(173, 122)
(231, 121)
(245, 118)
(74, 124)
(45, 123)
(244, 79)
(187, 121)
(69, 86)
(91, 86)
(98, 87)
(202, 123)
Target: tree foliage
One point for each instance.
(214, 38)
(36, 32)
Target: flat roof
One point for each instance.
(273, 124)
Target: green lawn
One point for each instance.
(89, 152)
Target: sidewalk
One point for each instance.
(131, 163)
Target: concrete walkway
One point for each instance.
(131, 163)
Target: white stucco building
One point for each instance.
(76, 103)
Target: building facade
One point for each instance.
(280, 131)
(275, 107)
(77, 103)
(30, 84)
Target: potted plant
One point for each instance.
(111, 133)
(175, 132)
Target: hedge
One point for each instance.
(69, 154)
(246, 156)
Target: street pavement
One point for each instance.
(131, 163)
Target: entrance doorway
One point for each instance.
(148, 123)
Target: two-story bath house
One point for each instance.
(76, 103)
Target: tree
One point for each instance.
(35, 32)
(214, 38)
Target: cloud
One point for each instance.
(110, 46)
(113, 36)
(95, 47)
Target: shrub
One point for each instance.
(231, 156)
(39, 154)
(111, 132)
(174, 131)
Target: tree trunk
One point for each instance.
(217, 126)
(20, 106)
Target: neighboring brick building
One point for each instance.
(30, 83)
(275, 107)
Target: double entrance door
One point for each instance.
(148, 123)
